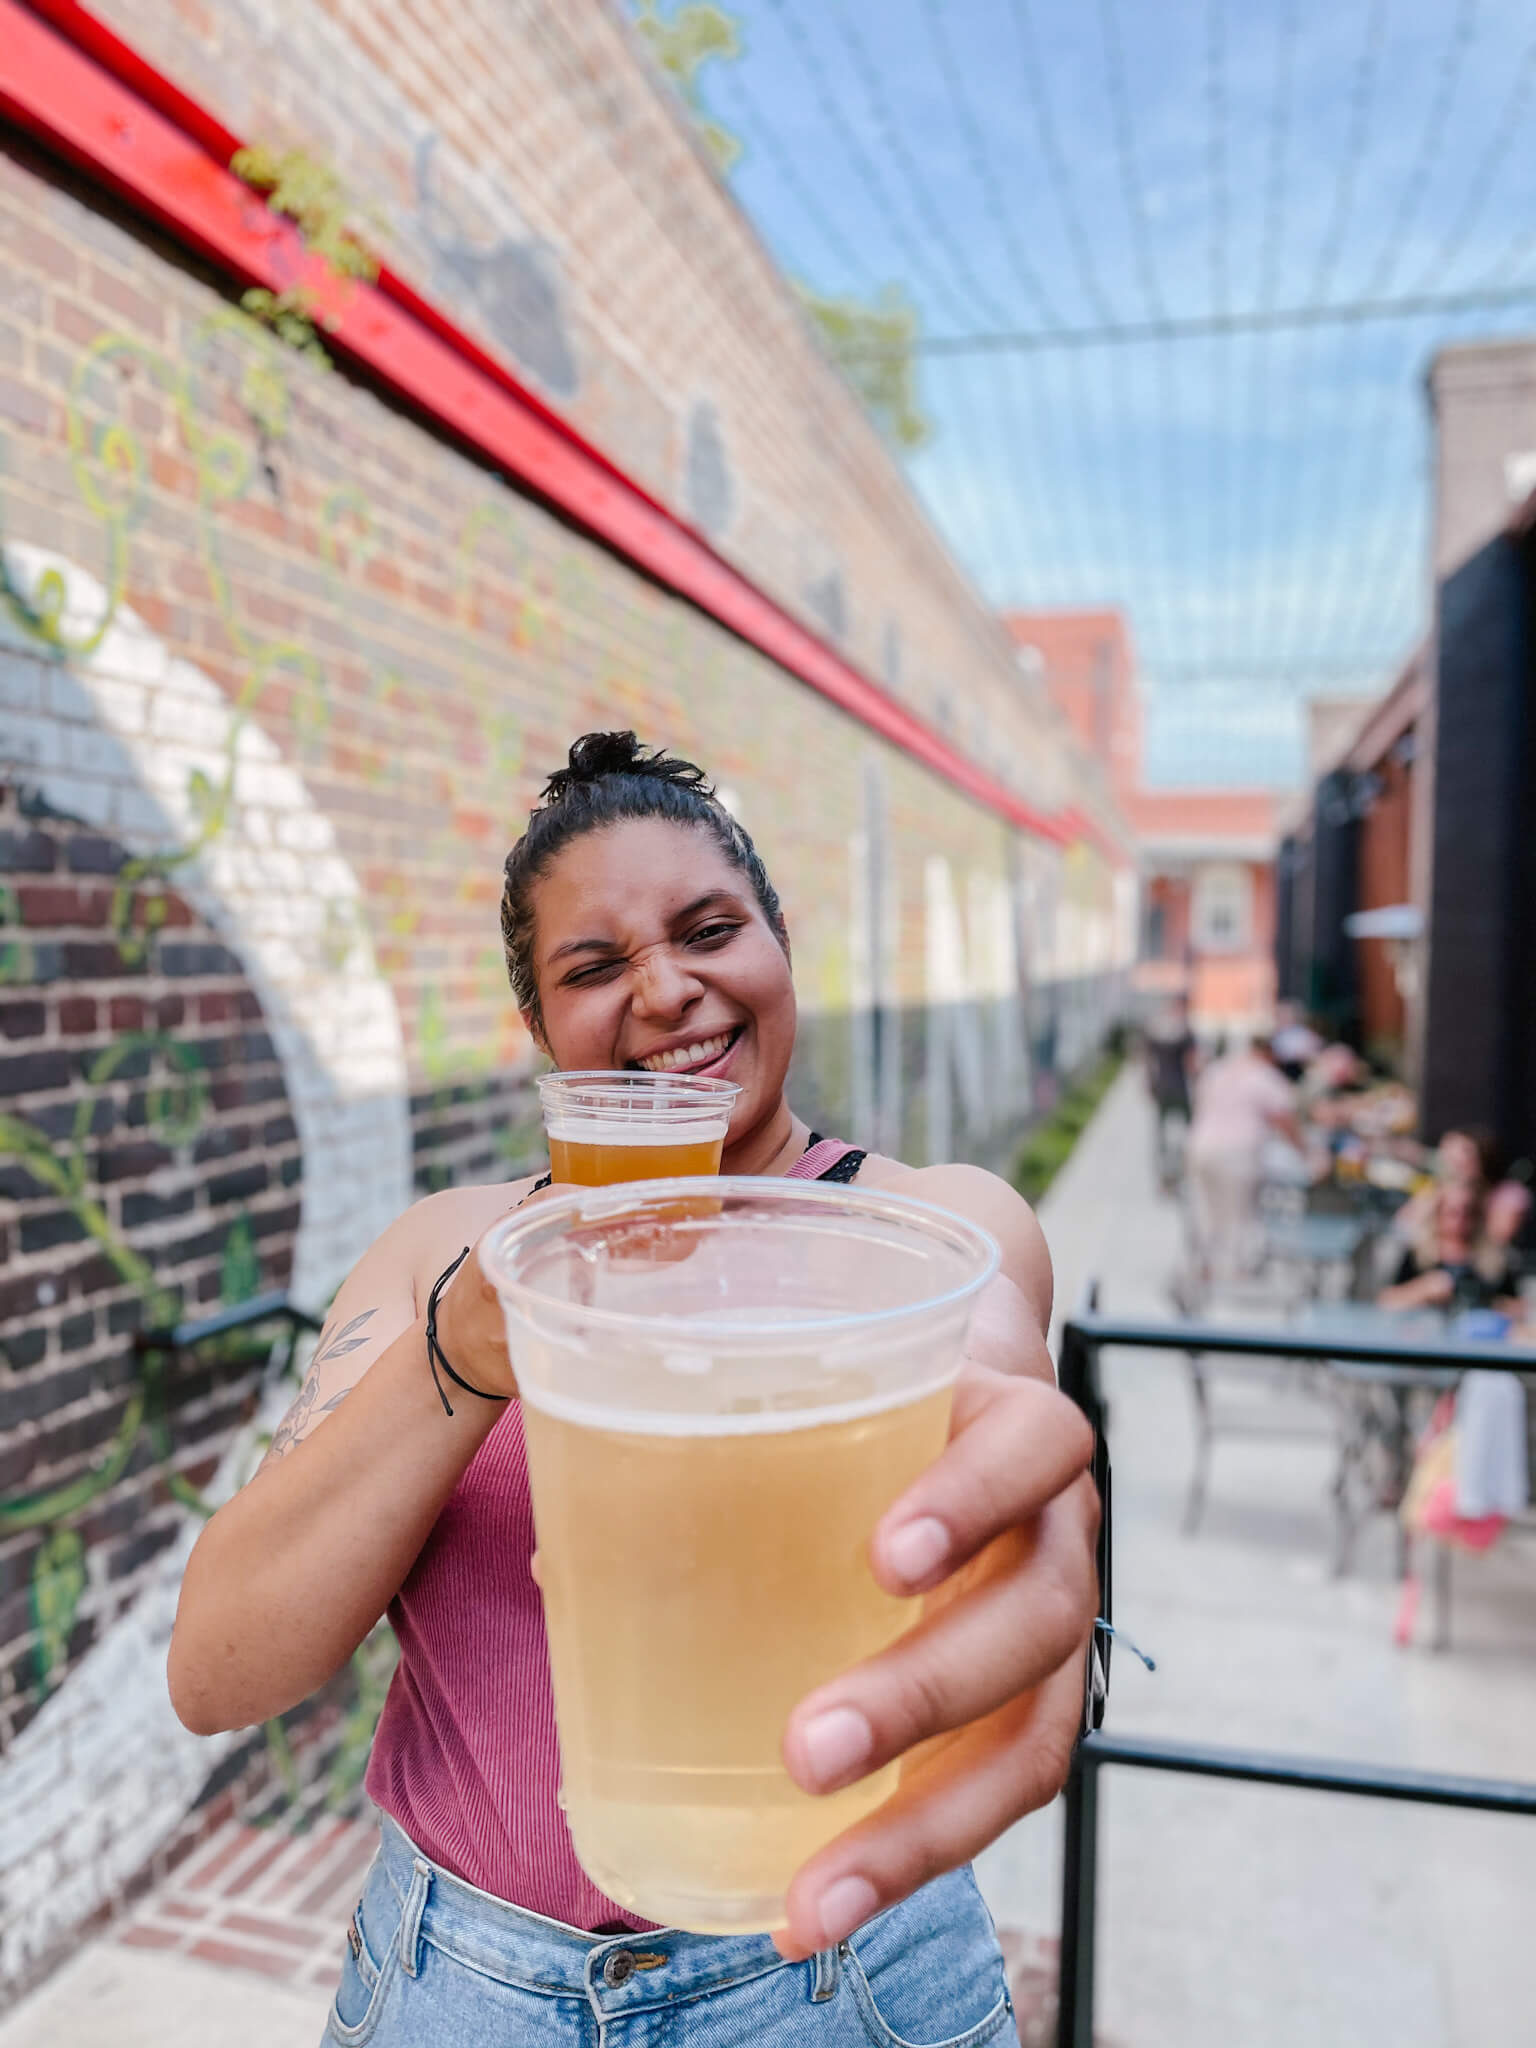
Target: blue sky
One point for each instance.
(1256, 502)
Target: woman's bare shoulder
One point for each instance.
(436, 1229)
(984, 1198)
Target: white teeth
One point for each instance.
(687, 1056)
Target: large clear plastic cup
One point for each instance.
(607, 1127)
(721, 1397)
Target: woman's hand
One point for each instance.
(984, 1697)
(470, 1325)
(1427, 1290)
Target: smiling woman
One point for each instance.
(642, 932)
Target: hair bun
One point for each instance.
(598, 755)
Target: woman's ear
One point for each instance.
(535, 1031)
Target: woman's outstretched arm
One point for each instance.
(290, 1575)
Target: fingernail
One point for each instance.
(844, 1906)
(917, 1549)
(836, 1743)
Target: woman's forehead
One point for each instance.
(642, 870)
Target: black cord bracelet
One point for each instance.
(436, 1356)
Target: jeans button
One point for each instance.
(619, 1968)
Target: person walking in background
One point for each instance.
(1170, 1054)
(1242, 1103)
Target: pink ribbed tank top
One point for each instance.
(465, 1757)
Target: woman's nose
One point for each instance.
(664, 986)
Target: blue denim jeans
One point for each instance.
(433, 1963)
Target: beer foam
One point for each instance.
(683, 1127)
(750, 1422)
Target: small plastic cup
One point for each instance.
(609, 1127)
(719, 1405)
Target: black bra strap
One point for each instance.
(844, 1170)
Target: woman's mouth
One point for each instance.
(700, 1057)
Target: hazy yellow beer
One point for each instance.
(718, 1409)
(608, 1127)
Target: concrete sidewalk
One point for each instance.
(1260, 1917)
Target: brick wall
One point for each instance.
(280, 674)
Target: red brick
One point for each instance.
(77, 1014)
(75, 322)
(149, 1937)
(127, 301)
(35, 247)
(215, 1865)
(239, 1956)
(245, 1878)
(60, 903)
(125, 1013)
(23, 406)
(267, 1930)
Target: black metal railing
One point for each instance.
(1082, 1339)
(275, 1307)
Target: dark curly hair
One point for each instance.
(609, 777)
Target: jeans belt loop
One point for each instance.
(827, 1970)
(410, 1922)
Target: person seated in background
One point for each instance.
(1463, 1159)
(1242, 1102)
(1453, 1263)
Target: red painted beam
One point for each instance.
(86, 94)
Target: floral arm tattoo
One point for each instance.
(333, 1344)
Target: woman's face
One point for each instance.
(650, 950)
(1457, 1161)
(1458, 1213)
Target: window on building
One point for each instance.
(1222, 909)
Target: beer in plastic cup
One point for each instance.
(608, 1127)
(720, 1398)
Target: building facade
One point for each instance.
(1407, 884)
(1205, 857)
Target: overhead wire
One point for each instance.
(1125, 157)
(1128, 171)
(1078, 473)
(1219, 511)
(1153, 515)
(982, 167)
(1362, 91)
(988, 448)
(1270, 521)
(1055, 160)
(1188, 327)
(760, 134)
(1513, 121)
(1319, 510)
(1431, 142)
(1344, 596)
(1411, 197)
(864, 166)
(895, 144)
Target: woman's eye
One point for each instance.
(586, 977)
(713, 934)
